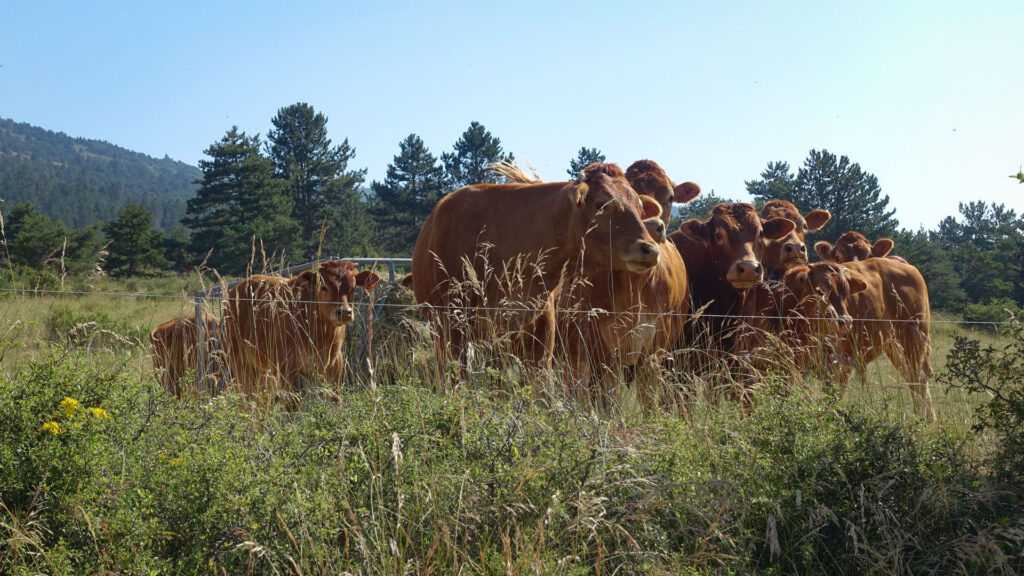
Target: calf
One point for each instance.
(287, 328)
(175, 353)
(891, 316)
(852, 247)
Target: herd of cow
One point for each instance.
(584, 272)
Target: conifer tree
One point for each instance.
(134, 245)
(324, 191)
(838, 185)
(240, 207)
(585, 157)
(474, 151)
(402, 202)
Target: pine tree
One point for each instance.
(852, 195)
(474, 151)
(239, 203)
(32, 238)
(402, 202)
(777, 183)
(585, 157)
(323, 190)
(134, 245)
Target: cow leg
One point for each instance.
(911, 355)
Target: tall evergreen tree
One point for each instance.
(323, 190)
(585, 157)
(474, 151)
(32, 237)
(852, 195)
(239, 202)
(987, 251)
(777, 183)
(402, 202)
(134, 245)
(922, 249)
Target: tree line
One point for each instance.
(292, 196)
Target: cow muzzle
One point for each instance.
(343, 315)
(744, 274)
(794, 253)
(643, 256)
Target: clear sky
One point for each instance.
(928, 96)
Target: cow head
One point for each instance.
(735, 236)
(613, 214)
(646, 177)
(820, 292)
(334, 284)
(782, 253)
(853, 246)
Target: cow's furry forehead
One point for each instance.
(648, 178)
(594, 172)
(852, 237)
(736, 216)
(338, 271)
(784, 209)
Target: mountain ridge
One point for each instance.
(82, 181)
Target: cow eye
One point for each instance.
(719, 236)
(820, 291)
(323, 288)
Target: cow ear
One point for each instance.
(816, 219)
(777, 228)
(656, 228)
(578, 192)
(882, 247)
(368, 279)
(685, 192)
(696, 229)
(824, 249)
(649, 208)
(856, 284)
(407, 280)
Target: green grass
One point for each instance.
(405, 474)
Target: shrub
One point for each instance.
(997, 311)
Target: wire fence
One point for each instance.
(382, 304)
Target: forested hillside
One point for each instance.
(82, 181)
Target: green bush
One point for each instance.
(997, 311)
(998, 374)
(405, 480)
(74, 326)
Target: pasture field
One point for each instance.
(409, 472)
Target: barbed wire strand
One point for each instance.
(568, 311)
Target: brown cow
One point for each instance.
(648, 178)
(609, 319)
(287, 328)
(891, 315)
(852, 247)
(722, 262)
(498, 252)
(175, 353)
(789, 250)
(796, 320)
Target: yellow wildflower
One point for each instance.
(51, 427)
(177, 461)
(99, 413)
(70, 406)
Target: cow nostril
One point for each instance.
(802, 248)
(757, 269)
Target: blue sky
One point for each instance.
(928, 96)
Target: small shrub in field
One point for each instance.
(996, 311)
(75, 326)
(997, 373)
